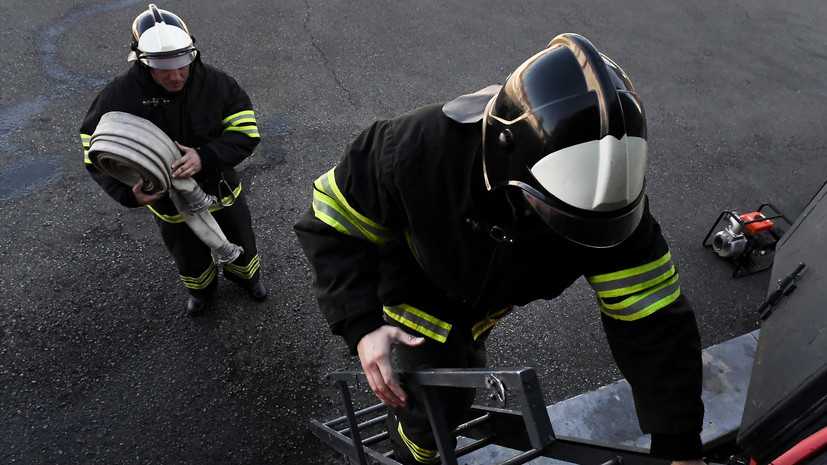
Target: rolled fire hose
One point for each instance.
(128, 148)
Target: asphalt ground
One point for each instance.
(99, 363)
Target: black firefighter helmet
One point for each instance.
(569, 130)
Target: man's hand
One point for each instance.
(188, 164)
(375, 354)
(142, 197)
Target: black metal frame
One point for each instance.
(527, 431)
(745, 263)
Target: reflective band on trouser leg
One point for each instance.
(637, 292)
(203, 281)
(130, 148)
(419, 321)
(331, 207)
(484, 325)
(419, 454)
(243, 272)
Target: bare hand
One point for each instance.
(142, 197)
(188, 164)
(375, 354)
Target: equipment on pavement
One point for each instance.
(748, 240)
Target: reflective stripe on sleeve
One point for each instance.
(629, 281)
(330, 206)
(244, 122)
(637, 292)
(419, 321)
(86, 139)
(643, 303)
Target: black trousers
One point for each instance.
(194, 260)
(416, 441)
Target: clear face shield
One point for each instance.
(167, 61)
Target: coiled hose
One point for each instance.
(128, 148)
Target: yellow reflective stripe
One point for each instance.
(482, 326)
(250, 131)
(330, 206)
(420, 321)
(201, 282)
(245, 272)
(177, 218)
(643, 304)
(420, 454)
(86, 140)
(412, 247)
(627, 282)
(243, 121)
(243, 116)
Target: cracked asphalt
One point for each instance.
(99, 363)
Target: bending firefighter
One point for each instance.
(435, 224)
(211, 120)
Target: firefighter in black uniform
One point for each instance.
(211, 119)
(436, 223)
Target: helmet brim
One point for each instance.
(167, 62)
(588, 228)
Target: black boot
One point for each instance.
(258, 292)
(196, 305)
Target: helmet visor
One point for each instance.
(168, 61)
(592, 229)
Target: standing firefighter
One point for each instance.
(211, 120)
(434, 225)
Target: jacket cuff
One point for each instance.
(355, 328)
(686, 446)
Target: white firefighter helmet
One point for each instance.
(161, 40)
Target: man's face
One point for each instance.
(172, 80)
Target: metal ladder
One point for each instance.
(358, 434)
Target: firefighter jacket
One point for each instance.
(212, 114)
(403, 228)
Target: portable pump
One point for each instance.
(748, 239)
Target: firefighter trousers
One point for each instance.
(195, 263)
(409, 426)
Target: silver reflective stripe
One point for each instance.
(331, 207)
(419, 321)
(645, 303)
(633, 280)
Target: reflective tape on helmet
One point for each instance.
(633, 280)
(330, 206)
(419, 321)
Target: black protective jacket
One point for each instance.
(404, 219)
(207, 114)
